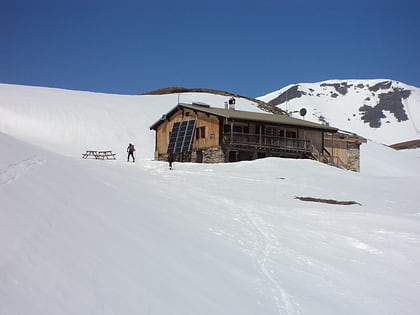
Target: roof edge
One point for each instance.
(230, 114)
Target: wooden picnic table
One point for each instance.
(99, 155)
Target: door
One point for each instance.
(233, 156)
(199, 157)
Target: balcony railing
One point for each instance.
(327, 158)
(266, 142)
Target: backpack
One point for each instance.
(132, 148)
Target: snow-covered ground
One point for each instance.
(111, 237)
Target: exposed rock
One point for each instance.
(372, 115)
(381, 85)
(288, 95)
(341, 88)
(391, 102)
(323, 120)
(330, 201)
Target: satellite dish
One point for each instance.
(302, 112)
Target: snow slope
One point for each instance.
(111, 237)
(71, 122)
(384, 111)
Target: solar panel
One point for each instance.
(181, 136)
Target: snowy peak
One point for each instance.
(371, 108)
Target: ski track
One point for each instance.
(269, 244)
(15, 170)
(261, 244)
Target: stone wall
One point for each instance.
(161, 157)
(216, 154)
(210, 155)
(353, 156)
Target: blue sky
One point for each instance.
(244, 47)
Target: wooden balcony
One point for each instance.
(264, 142)
(284, 146)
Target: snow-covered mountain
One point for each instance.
(385, 111)
(111, 237)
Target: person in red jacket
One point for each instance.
(130, 150)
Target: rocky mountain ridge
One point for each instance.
(386, 111)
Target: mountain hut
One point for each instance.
(203, 134)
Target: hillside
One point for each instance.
(178, 89)
(70, 122)
(385, 111)
(111, 237)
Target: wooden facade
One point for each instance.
(228, 135)
(345, 148)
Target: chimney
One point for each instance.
(232, 103)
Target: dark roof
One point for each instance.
(248, 116)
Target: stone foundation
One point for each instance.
(217, 154)
(353, 162)
(209, 155)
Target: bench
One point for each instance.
(99, 155)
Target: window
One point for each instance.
(200, 132)
(274, 132)
(291, 134)
(237, 129)
(271, 131)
